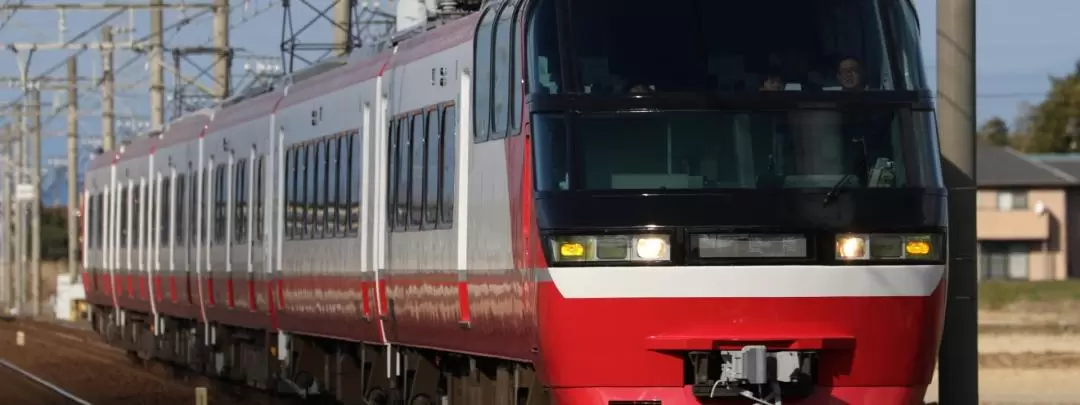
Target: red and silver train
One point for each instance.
(550, 201)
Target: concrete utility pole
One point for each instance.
(108, 115)
(73, 165)
(157, 67)
(343, 27)
(958, 369)
(19, 236)
(223, 64)
(5, 213)
(34, 97)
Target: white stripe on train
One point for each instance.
(746, 281)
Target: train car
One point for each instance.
(551, 201)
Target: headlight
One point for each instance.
(610, 248)
(889, 247)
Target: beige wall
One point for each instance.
(1048, 232)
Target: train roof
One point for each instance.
(324, 77)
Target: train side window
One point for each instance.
(240, 202)
(501, 70)
(137, 214)
(220, 224)
(351, 183)
(204, 193)
(312, 183)
(333, 145)
(181, 186)
(123, 201)
(401, 216)
(302, 200)
(448, 160)
(165, 212)
(259, 196)
(391, 174)
(290, 193)
(344, 182)
(482, 63)
(518, 79)
(416, 168)
(432, 167)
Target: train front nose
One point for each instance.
(714, 334)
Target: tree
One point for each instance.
(995, 131)
(1053, 126)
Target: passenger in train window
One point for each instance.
(772, 82)
(850, 75)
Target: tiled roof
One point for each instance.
(997, 166)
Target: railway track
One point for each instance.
(25, 388)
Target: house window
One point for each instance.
(1003, 260)
(1012, 200)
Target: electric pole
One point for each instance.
(343, 27)
(19, 236)
(157, 67)
(108, 116)
(5, 212)
(73, 164)
(958, 368)
(223, 64)
(34, 97)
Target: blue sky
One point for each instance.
(1020, 43)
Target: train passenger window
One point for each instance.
(403, 165)
(516, 100)
(299, 227)
(290, 193)
(181, 220)
(260, 222)
(165, 213)
(342, 204)
(482, 63)
(204, 194)
(220, 217)
(431, 168)
(904, 27)
(391, 174)
(355, 181)
(545, 73)
(416, 181)
(312, 191)
(501, 70)
(447, 161)
(240, 202)
(123, 202)
(137, 214)
(331, 208)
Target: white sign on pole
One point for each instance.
(24, 192)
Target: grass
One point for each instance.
(999, 294)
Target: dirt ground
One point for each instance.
(1029, 354)
(77, 361)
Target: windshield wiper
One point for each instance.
(835, 191)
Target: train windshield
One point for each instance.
(631, 46)
(868, 147)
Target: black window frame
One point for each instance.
(355, 171)
(330, 183)
(259, 197)
(417, 132)
(448, 170)
(432, 167)
(482, 79)
(181, 207)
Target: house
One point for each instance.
(1028, 214)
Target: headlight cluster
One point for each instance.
(888, 246)
(610, 248)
